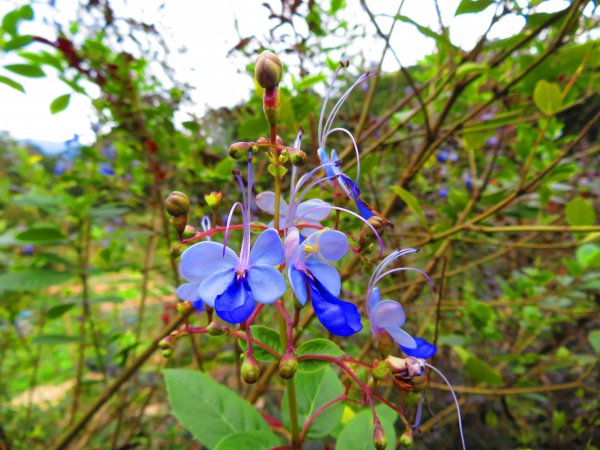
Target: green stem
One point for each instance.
(291, 390)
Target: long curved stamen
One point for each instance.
(295, 202)
(419, 413)
(307, 176)
(325, 101)
(355, 150)
(389, 272)
(387, 261)
(460, 427)
(379, 241)
(297, 144)
(228, 224)
(238, 177)
(245, 250)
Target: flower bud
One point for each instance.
(250, 369)
(239, 150)
(164, 344)
(268, 70)
(379, 439)
(179, 223)
(189, 232)
(288, 366)
(406, 439)
(213, 199)
(297, 156)
(420, 382)
(167, 353)
(380, 370)
(214, 329)
(184, 307)
(177, 204)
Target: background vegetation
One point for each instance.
(487, 160)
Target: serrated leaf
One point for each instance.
(26, 70)
(314, 390)
(472, 6)
(267, 336)
(13, 84)
(207, 409)
(580, 212)
(60, 103)
(59, 310)
(32, 279)
(319, 347)
(249, 440)
(547, 97)
(40, 235)
(54, 339)
(358, 433)
(412, 203)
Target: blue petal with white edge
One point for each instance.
(235, 304)
(202, 259)
(338, 316)
(333, 245)
(266, 283)
(327, 275)
(298, 282)
(267, 249)
(215, 285)
(424, 349)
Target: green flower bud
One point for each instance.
(167, 353)
(297, 156)
(379, 439)
(250, 369)
(239, 150)
(214, 329)
(184, 307)
(288, 366)
(189, 232)
(268, 70)
(164, 344)
(177, 204)
(406, 439)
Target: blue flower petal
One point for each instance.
(267, 249)
(333, 245)
(215, 285)
(203, 259)
(364, 209)
(327, 275)
(325, 159)
(424, 349)
(298, 282)
(375, 297)
(401, 337)
(339, 317)
(313, 210)
(235, 304)
(266, 282)
(388, 313)
(188, 291)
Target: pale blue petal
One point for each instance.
(188, 291)
(388, 313)
(306, 232)
(333, 245)
(266, 202)
(313, 210)
(375, 297)
(266, 282)
(298, 283)
(401, 337)
(204, 258)
(267, 249)
(291, 244)
(215, 285)
(327, 275)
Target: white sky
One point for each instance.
(206, 29)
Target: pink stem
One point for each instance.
(312, 418)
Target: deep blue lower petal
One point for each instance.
(338, 316)
(424, 349)
(198, 305)
(235, 304)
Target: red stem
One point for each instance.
(312, 418)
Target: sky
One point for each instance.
(207, 30)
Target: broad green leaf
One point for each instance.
(26, 70)
(588, 256)
(13, 84)
(358, 433)
(60, 103)
(472, 6)
(108, 211)
(547, 97)
(40, 235)
(267, 336)
(249, 440)
(480, 313)
(38, 199)
(580, 212)
(314, 390)
(594, 339)
(479, 371)
(54, 339)
(207, 409)
(32, 279)
(411, 201)
(59, 310)
(320, 347)
(470, 69)
(17, 42)
(309, 81)
(336, 5)
(10, 20)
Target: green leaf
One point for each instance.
(580, 212)
(26, 70)
(320, 347)
(267, 336)
(411, 201)
(313, 390)
(470, 69)
(40, 235)
(472, 6)
(588, 256)
(32, 279)
(37, 199)
(594, 339)
(108, 211)
(249, 440)
(59, 310)
(479, 371)
(54, 339)
(207, 409)
(547, 97)
(336, 5)
(13, 84)
(17, 42)
(309, 81)
(60, 103)
(358, 433)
